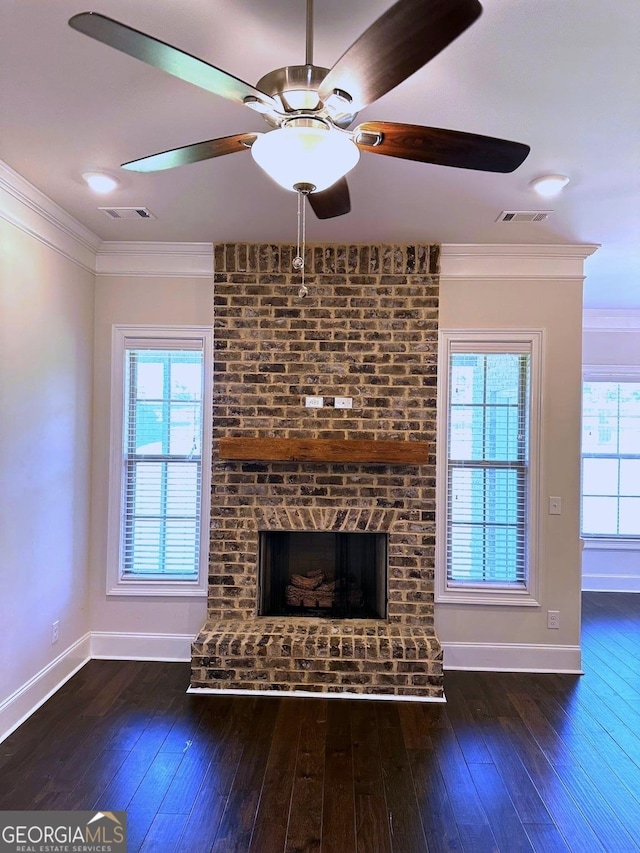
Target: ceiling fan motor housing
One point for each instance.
(296, 88)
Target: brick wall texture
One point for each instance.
(367, 330)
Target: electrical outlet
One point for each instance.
(343, 403)
(553, 619)
(314, 402)
(55, 632)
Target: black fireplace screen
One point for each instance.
(334, 575)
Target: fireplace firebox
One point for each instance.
(330, 575)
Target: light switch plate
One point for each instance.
(555, 506)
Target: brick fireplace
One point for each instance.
(368, 331)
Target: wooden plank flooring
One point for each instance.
(511, 763)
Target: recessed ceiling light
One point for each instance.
(99, 182)
(549, 185)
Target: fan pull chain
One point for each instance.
(298, 261)
(301, 236)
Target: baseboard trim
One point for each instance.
(310, 694)
(610, 583)
(512, 657)
(24, 701)
(116, 645)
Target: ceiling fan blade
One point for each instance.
(167, 58)
(192, 153)
(439, 146)
(334, 201)
(400, 42)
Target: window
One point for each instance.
(611, 455)
(160, 461)
(489, 414)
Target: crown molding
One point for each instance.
(611, 320)
(192, 260)
(494, 261)
(27, 208)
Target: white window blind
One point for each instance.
(160, 460)
(610, 458)
(487, 467)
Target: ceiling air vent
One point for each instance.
(524, 215)
(127, 212)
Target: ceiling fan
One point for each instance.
(310, 149)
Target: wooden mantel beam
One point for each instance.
(325, 450)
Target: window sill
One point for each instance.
(153, 589)
(487, 597)
(617, 544)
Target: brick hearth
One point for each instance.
(367, 330)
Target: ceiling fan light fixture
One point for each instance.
(100, 182)
(316, 155)
(548, 186)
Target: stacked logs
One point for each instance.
(314, 590)
(311, 590)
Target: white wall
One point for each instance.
(46, 355)
(611, 338)
(534, 287)
(154, 285)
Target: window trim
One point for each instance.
(611, 543)
(121, 336)
(607, 373)
(490, 340)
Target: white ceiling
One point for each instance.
(562, 76)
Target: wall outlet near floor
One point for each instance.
(553, 618)
(55, 632)
(314, 402)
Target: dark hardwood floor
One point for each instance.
(511, 763)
